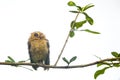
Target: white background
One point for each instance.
(18, 18)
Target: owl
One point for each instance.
(38, 48)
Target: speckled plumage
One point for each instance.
(38, 47)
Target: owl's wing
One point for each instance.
(47, 61)
(29, 46)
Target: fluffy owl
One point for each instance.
(38, 47)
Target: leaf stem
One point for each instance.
(66, 40)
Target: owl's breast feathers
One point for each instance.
(38, 50)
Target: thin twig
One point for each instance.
(66, 41)
(63, 67)
(62, 50)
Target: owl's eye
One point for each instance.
(36, 34)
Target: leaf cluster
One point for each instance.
(69, 61)
(77, 25)
(108, 64)
(11, 60)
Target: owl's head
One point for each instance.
(37, 35)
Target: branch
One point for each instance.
(61, 67)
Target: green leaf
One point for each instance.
(72, 34)
(64, 59)
(21, 62)
(98, 57)
(116, 64)
(73, 59)
(104, 63)
(7, 61)
(119, 55)
(80, 24)
(90, 31)
(99, 64)
(87, 7)
(11, 59)
(79, 8)
(74, 11)
(100, 72)
(88, 18)
(115, 54)
(71, 3)
(72, 25)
